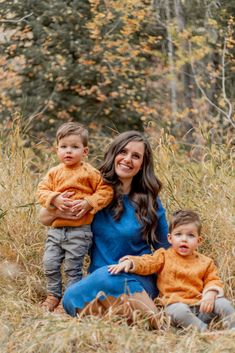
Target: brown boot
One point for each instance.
(51, 302)
(59, 309)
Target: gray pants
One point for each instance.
(67, 245)
(184, 315)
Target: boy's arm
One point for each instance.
(45, 191)
(147, 264)
(213, 287)
(102, 195)
(212, 280)
(48, 197)
(142, 265)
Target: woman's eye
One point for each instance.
(136, 156)
(122, 152)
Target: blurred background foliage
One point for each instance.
(117, 65)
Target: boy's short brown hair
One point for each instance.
(184, 217)
(72, 128)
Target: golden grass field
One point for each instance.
(205, 184)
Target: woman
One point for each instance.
(133, 223)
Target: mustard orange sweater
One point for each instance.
(84, 180)
(180, 279)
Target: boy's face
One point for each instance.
(70, 150)
(185, 239)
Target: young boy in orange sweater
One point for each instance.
(69, 240)
(188, 282)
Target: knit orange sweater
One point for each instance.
(84, 180)
(180, 279)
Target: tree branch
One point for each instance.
(16, 21)
(230, 109)
(228, 115)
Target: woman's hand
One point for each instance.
(64, 208)
(125, 266)
(47, 216)
(67, 214)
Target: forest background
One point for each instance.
(163, 67)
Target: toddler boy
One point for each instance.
(69, 240)
(188, 282)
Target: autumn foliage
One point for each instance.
(119, 64)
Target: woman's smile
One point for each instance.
(128, 161)
(125, 166)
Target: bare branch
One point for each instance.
(16, 21)
(110, 67)
(156, 4)
(113, 28)
(228, 115)
(230, 109)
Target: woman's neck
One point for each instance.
(126, 186)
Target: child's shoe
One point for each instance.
(51, 302)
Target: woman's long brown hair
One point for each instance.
(145, 185)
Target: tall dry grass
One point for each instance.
(205, 184)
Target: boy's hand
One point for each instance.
(125, 266)
(208, 302)
(62, 202)
(80, 208)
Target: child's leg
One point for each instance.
(52, 261)
(181, 315)
(224, 309)
(77, 242)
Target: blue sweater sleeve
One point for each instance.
(162, 228)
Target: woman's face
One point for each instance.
(129, 160)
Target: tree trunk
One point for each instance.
(186, 72)
(170, 52)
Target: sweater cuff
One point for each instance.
(217, 289)
(50, 198)
(92, 204)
